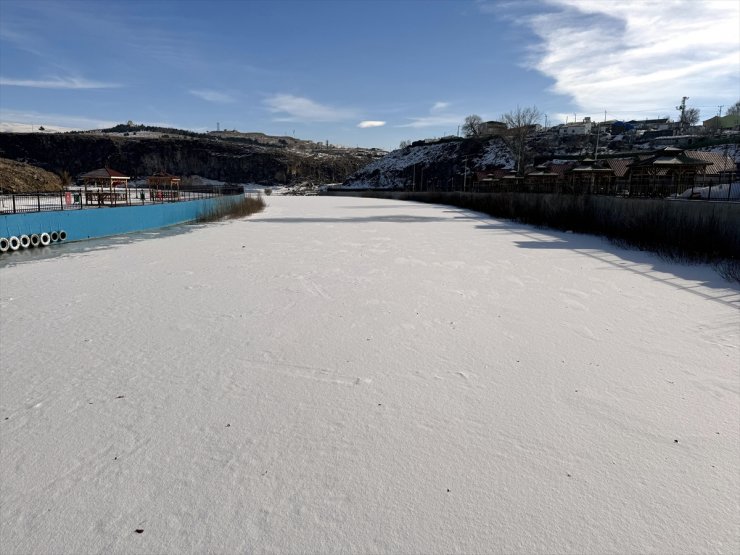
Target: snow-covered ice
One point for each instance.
(363, 376)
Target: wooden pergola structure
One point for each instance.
(105, 178)
(592, 177)
(665, 173)
(163, 186)
(541, 180)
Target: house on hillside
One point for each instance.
(659, 124)
(576, 128)
(725, 122)
(492, 128)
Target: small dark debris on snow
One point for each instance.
(379, 404)
(120, 397)
(115, 458)
(9, 417)
(139, 530)
(228, 425)
(568, 475)
(675, 441)
(448, 490)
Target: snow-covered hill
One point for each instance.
(436, 164)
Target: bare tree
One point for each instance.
(404, 144)
(734, 110)
(520, 124)
(690, 117)
(472, 126)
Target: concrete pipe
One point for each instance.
(4, 244)
(54, 236)
(25, 241)
(45, 239)
(35, 240)
(62, 235)
(14, 243)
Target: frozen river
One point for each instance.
(357, 375)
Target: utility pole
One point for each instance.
(596, 150)
(719, 118)
(682, 109)
(465, 177)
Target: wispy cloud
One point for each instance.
(433, 121)
(57, 83)
(212, 96)
(65, 121)
(436, 118)
(636, 55)
(297, 108)
(370, 123)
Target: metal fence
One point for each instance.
(80, 199)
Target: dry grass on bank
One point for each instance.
(228, 210)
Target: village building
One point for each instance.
(492, 128)
(576, 128)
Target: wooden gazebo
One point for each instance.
(163, 186)
(541, 180)
(101, 179)
(669, 171)
(591, 176)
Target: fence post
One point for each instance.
(38, 201)
(13, 203)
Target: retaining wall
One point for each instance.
(106, 221)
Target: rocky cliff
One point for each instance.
(212, 158)
(438, 165)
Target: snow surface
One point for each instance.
(363, 376)
(723, 191)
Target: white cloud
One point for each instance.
(57, 83)
(212, 96)
(23, 120)
(297, 108)
(439, 106)
(637, 55)
(433, 121)
(370, 123)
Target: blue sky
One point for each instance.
(368, 73)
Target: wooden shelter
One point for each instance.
(592, 177)
(541, 180)
(668, 172)
(101, 179)
(163, 186)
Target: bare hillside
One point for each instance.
(17, 177)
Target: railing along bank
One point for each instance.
(80, 199)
